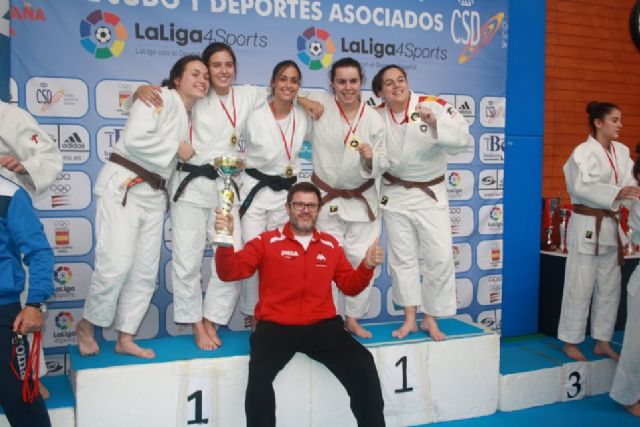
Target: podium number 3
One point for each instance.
(197, 396)
(576, 384)
(403, 361)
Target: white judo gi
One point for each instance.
(418, 226)
(193, 214)
(266, 153)
(591, 181)
(342, 168)
(128, 238)
(22, 137)
(626, 382)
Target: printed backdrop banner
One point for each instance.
(73, 63)
(4, 50)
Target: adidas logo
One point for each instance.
(465, 2)
(465, 108)
(73, 143)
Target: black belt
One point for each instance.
(195, 171)
(274, 182)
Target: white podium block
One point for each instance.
(601, 373)
(422, 381)
(404, 373)
(293, 393)
(527, 389)
(464, 377)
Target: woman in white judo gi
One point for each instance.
(348, 155)
(598, 175)
(219, 121)
(420, 132)
(27, 153)
(626, 381)
(275, 133)
(131, 201)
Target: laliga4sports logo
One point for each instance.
(315, 48)
(102, 34)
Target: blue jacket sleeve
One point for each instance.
(26, 230)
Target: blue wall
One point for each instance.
(523, 166)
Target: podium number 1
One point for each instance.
(403, 361)
(197, 396)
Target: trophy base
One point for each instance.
(225, 240)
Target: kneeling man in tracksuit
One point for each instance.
(295, 311)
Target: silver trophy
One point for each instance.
(564, 215)
(631, 247)
(227, 167)
(554, 202)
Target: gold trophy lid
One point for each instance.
(228, 164)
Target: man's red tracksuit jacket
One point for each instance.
(295, 285)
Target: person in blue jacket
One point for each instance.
(22, 240)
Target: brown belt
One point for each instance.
(154, 180)
(424, 186)
(599, 214)
(356, 193)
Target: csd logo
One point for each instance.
(44, 96)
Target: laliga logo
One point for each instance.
(64, 320)
(313, 43)
(476, 39)
(454, 179)
(496, 213)
(102, 34)
(63, 275)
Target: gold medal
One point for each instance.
(415, 117)
(234, 139)
(353, 142)
(289, 171)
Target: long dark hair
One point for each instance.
(598, 110)
(178, 70)
(216, 47)
(376, 83)
(280, 67)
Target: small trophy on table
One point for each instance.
(554, 202)
(227, 167)
(564, 216)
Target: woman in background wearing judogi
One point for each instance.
(598, 175)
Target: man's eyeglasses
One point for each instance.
(300, 206)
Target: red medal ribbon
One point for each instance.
(352, 129)
(611, 162)
(284, 138)
(405, 119)
(32, 369)
(233, 103)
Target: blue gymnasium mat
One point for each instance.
(541, 352)
(594, 411)
(170, 349)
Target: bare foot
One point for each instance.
(352, 325)
(573, 352)
(408, 326)
(203, 340)
(212, 332)
(250, 322)
(634, 409)
(44, 392)
(603, 348)
(126, 345)
(430, 326)
(86, 342)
